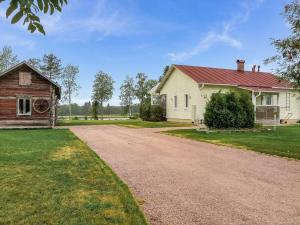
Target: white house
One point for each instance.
(185, 90)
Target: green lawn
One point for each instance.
(127, 123)
(284, 141)
(51, 177)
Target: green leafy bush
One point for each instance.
(156, 113)
(150, 112)
(229, 110)
(145, 111)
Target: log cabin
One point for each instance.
(27, 98)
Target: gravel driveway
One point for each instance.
(187, 182)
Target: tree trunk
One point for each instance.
(129, 109)
(101, 105)
(70, 110)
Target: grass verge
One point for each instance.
(284, 141)
(127, 123)
(51, 177)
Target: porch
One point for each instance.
(267, 108)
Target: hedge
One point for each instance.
(229, 110)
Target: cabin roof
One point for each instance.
(24, 63)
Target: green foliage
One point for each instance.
(95, 110)
(288, 49)
(229, 110)
(102, 89)
(143, 86)
(127, 94)
(34, 62)
(157, 113)
(30, 9)
(69, 84)
(145, 110)
(51, 66)
(7, 58)
(150, 112)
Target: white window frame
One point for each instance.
(186, 101)
(271, 99)
(175, 102)
(24, 98)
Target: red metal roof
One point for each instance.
(233, 77)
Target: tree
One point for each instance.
(95, 109)
(127, 94)
(7, 58)
(51, 66)
(29, 10)
(102, 89)
(36, 63)
(166, 69)
(69, 83)
(143, 86)
(86, 109)
(288, 49)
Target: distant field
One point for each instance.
(127, 123)
(284, 141)
(51, 177)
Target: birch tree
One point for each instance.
(127, 94)
(7, 58)
(70, 86)
(102, 89)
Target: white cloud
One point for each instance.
(104, 20)
(223, 36)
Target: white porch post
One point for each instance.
(254, 103)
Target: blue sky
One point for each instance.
(124, 37)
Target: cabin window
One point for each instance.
(24, 106)
(186, 101)
(24, 78)
(175, 102)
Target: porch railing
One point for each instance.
(267, 113)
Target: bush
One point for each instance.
(145, 111)
(229, 110)
(156, 113)
(134, 116)
(75, 118)
(150, 112)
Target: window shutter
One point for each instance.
(24, 78)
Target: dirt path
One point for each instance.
(187, 182)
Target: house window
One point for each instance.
(175, 102)
(269, 100)
(24, 78)
(24, 106)
(186, 101)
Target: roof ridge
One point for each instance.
(217, 68)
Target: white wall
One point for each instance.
(178, 85)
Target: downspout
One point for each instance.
(202, 86)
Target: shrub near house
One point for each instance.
(229, 110)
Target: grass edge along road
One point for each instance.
(132, 123)
(284, 141)
(49, 176)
